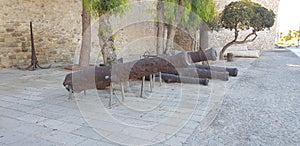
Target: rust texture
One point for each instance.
(101, 77)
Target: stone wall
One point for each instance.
(56, 29)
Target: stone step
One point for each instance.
(248, 53)
(238, 48)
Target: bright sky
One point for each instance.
(289, 15)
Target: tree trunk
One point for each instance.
(160, 27)
(170, 37)
(106, 41)
(203, 34)
(102, 76)
(84, 57)
(221, 57)
(173, 26)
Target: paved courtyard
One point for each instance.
(259, 107)
(262, 107)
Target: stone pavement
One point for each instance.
(261, 108)
(35, 110)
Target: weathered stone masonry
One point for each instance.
(56, 28)
(57, 31)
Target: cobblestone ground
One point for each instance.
(261, 108)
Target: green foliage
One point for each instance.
(245, 14)
(194, 12)
(100, 7)
(204, 9)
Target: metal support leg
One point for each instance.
(151, 82)
(84, 92)
(111, 95)
(123, 92)
(160, 78)
(71, 94)
(142, 87)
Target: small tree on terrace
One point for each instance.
(245, 15)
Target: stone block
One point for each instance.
(249, 53)
(10, 29)
(12, 57)
(238, 48)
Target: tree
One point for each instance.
(245, 15)
(104, 9)
(189, 13)
(84, 56)
(160, 27)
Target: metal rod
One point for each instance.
(153, 79)
(111, 95)
(142, 87)
(151, 82)
(123, 92)
(160, 78)
(71, 94)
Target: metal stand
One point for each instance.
(142, 87)
(111, 95)
(34, 62)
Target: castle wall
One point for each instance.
(56, 29)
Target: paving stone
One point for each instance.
(138, 132)
(31, 129)
(11, 112)
(32, 118)
(73, 119)
(30, 103)
(4, 103)
(32, 141)
(22, 108)
(54, 108)
(136, 141)
(68, 127)
(62, 138)
(106, 126)
(174, 141)
(10, 98)
(9, 123)
(47, 114)
(51, 123)
(90, 142)
(10, 137)
(88, 132)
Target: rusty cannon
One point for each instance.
(179, 65)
